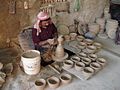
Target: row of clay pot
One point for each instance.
(87, 66)
(53, 82)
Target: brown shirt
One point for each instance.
(46, 33)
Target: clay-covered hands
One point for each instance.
(51, 41)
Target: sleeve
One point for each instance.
(35, 38)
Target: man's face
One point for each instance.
(45, 24)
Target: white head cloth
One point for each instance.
(40, 16)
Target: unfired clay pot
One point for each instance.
(65, 78)
(40, 84)
(53, 82)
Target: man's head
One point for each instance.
(43, 20)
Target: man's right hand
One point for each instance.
(50, 41)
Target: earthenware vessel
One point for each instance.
(67, 37)
(40, 84)
(98, 45)
(101, 61)
(73, 36)
(88, 41)
(68, 64)
(88, 72)
(79, 66)
(91, 49)
(59, 53)
(75, 58)
(86, 61)
(96, 66)
(93, 57)
(53, 82)
(82, 55)
(65, 78)
(81, 45)
(80, 38)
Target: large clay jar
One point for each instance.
(59, 53)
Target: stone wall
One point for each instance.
(12, 24)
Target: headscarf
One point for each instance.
(41, 16)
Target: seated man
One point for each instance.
(44, 33)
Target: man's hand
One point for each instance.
(50, 41)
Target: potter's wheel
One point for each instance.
(60, 59)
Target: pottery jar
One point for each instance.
(79, 66)
(53, 82)
(68, 64)
(96, 66)
(40, 84)
(88, 72)
(65, 78)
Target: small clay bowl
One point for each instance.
(53, 82)
(86, 61)
(79, 66)
(96, 66)
(73, 36)
(68, 64)
(67, 37)
(88, 41)
(82, 55)
(82, 45)
(75, 58)
(91, 49)
(65, 78)
(88, 72)
(101, 61)
(98, 45)
(40, 84)
(93, 57)
(80, 38)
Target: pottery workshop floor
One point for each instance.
(12, 55)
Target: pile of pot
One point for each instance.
(111, 27)
(107, 15)
(101, 23)
(93, 30)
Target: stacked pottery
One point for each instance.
(101, 23)
(94, 28)
(111, 27)
(107, 15)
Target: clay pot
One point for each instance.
(65, 78)
(91, 49)
(80, 38)
(73, 36)
(101, 61)
(82, 55)
(98, 45)
(67, 37)
(86, 61)
(96, 66)
(88, 41)
(79, 66)
(68, 64)
(93, 57)
(82, 45)
(53, 82)
(88, 72)
(75, 58)
(40, 84)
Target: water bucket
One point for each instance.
(31, 61)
